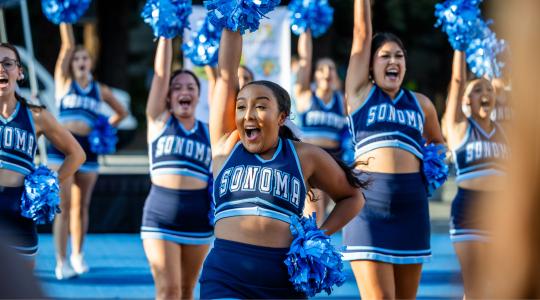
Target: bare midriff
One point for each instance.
(77, 127)
(322, 142)
(485, 183)
(254, 230)
(389, 160)
(10, 178)
(179, 182)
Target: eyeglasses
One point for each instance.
(9, 64)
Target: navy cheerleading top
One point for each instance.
(481, 153)
(81, 104)
(381, 122)
(18, 141)
(182, 152)
(324, 120)
(248, 185)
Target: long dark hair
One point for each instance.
(284, 105)
(18, 58)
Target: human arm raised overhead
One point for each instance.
(357, 82)
(62, 67)
(302, 88)
(222, 111)
(157, 98)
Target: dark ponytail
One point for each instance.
(26, 104)
(286, 133)
(351, 173)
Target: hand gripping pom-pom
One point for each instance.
(316, 15)
(168, 18)
(102, 138)
(203, 47)
(238, 15)
(434, 166)
(67, 11)
(313, 263)
(41, 198)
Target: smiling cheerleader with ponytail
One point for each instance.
(262, 178)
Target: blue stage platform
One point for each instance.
(119, 270)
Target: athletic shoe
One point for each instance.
(78, 263)
(64, 271)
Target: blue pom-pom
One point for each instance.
(168, 18)
(67, 11)
(482, 55)
(313, 263)
(203, 47)
(238, 15)
(461, 20)
(41, 197)
(467, 31)
(102, 138)
(434, 166)
(316, 15)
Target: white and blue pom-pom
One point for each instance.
(238, 15)
(461, 20)
(168, 18)
(467, 31)
(102, 138)
(313, 263)
(481, 55)
(41, 197)
(67, 11)
(203, 47)
(434, 166)
(316, 15)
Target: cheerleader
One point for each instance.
(79, 98)
(176, 229)
(21, 125)
(320, 110)
(262, 177)
(390, 239)
(479, 149)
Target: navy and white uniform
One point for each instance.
(325, 120)
(17, 150)
(179, 216)
(393, 226)
(83, 105)
(248, 185)
(479, 154)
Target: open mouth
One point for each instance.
(392, 74)
(4, 82)
(184, 103)
(485, 103)
(252, 133)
